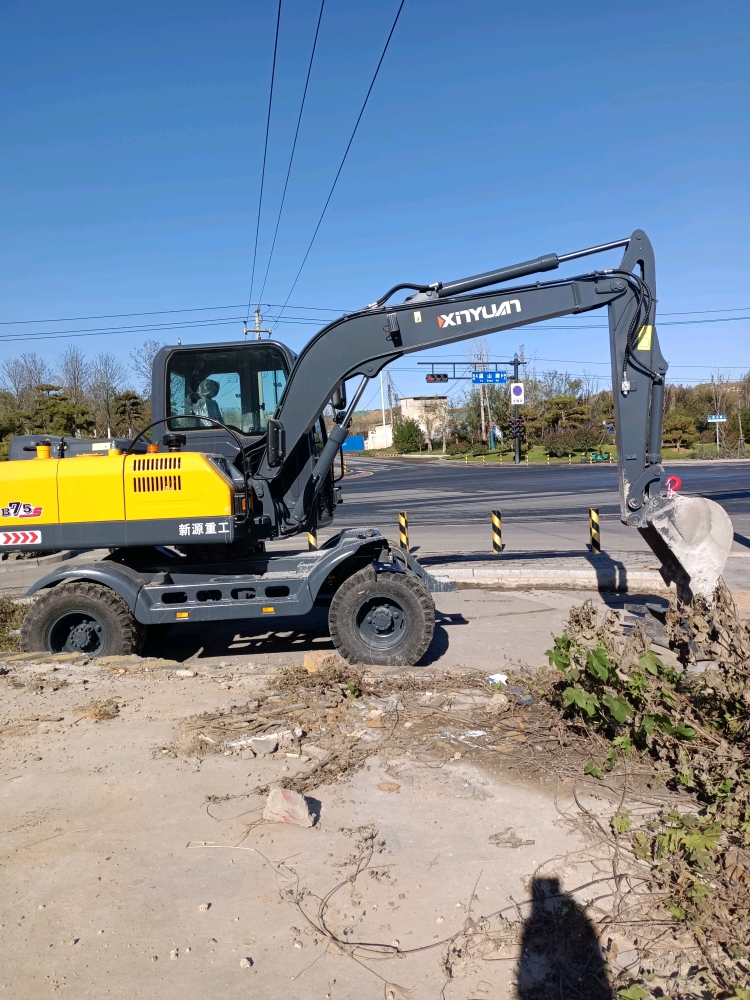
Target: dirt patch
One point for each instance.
(99, 711)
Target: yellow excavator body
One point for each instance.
(114, 499)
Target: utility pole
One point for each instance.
(257, 330)
(382, 399)
(390, 394)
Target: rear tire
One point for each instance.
(81, 617)
(384, 619)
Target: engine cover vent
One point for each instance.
(157, 464)
(156, 484)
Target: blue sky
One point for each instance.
(132, 140)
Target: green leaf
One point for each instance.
(599, 663)
(559, 659)
(586, 702)
(620, 822)
(633, 992)
(684, 732)
(676, 910)
(618, 707)
(650, 662)
(648, 724)
(593, 770)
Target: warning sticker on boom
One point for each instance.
(643, 343)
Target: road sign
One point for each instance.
(717, 418)
(489, 378)
(516, 394)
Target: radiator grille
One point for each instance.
(156, 484)
(156, 464)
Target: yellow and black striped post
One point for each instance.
(497, 532)
(312, 537)
(403, 529)
(596, 542)
(570, 459)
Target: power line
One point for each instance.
(265, 153)
(161, 312)
(346, 151)
(294, 146)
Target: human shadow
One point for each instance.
(560, 952)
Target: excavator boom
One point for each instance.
(691, 536)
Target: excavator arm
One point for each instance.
(691, 536)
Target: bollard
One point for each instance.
(466, 459)
(570, 459)
(346, 467)
(548, 459)
(497, 532)
(527, 458)
(403, 529)
(596, 542)
(312, 538)
(483, 461)
(501, 458)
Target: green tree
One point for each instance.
(51, 412)
(129, 410)
(408, 437)
(679, 429)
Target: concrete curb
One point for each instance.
(16, 565)
(608, 577)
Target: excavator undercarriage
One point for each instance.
(245, 459)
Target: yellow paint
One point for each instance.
(111, 487)
(90, 491)
(178, 484)
(33, 483)
(643, 343)
(268, 611)
(43, 451)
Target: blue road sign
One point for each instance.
(489, 378)
(717, 418)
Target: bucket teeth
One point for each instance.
(692, 537)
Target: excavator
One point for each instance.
(238, 457)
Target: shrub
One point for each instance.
(408, 437)
(480, 449)
(560, 444)
(459, 448)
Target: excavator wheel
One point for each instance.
(81, 617)
(386, 619)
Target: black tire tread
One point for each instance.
(346, 645)
(132, 634)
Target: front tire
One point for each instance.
(81, 617)
(384, 619)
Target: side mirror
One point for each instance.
(275, 443)
(338, 398)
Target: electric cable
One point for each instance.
(346, 151)
(265, 154)
(294, 147)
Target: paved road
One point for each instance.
(544, 508)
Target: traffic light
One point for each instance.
(517, 427)
(436, 377)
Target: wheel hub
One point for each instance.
(381, 622)
(83, 636)
(383, 619)
(77, 632)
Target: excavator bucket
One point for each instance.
(692, 537)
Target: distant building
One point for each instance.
(379, 437)
(412, 408)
